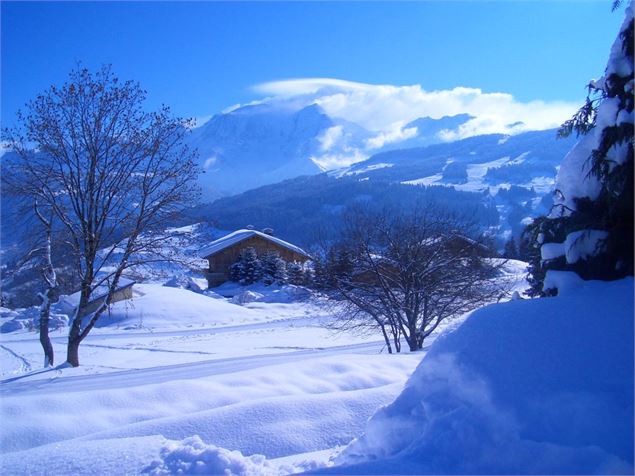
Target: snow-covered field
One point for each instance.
(183, 383)
(261, 378)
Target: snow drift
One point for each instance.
(541, 386)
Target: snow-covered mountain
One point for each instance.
(255, 145)
(503, 180)
(269, 142)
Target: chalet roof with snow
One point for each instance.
(241, 235)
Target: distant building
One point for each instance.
(67, 304)
(225, 251)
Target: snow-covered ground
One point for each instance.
(264, 377)
(183, 382)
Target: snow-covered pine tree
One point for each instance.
(295, 273)
(590, 228)
(274, 268)
(249, 267)
(281, 271)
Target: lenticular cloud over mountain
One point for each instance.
(384, 108)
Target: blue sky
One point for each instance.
(201, 57)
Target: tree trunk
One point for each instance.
(45, 340)
(74, 339)
(414, 340)
(386, 339)
(50, 278)
(397, 343)
(72, 352)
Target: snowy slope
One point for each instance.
(262, 378)
(534, 387)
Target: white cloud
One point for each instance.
(330, 137)
(347, 157)
(379, 107)
(384, 110)
(304, 86)
(396, 133)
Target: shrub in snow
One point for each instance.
(193, 456)
(592, 217)
(251, 268)
(511, 250)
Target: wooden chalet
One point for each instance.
(223, 252)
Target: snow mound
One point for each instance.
(156, 306)
(260, 292)
(246, 297)
(183, 282)
(193, 456)
(529, 386)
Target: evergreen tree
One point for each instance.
(320, 275)
(295, 273)
(592, 217)
(274, 269)
(248, 268)
(308, 275)
(341, 265)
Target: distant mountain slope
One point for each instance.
(504, 180)
(308, 209)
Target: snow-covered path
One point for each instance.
(153, 375)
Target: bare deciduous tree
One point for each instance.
(404, 273)
(111, 173)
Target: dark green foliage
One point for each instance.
(521, 172)
(320, 276)
(268, 269)
(532, 238)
